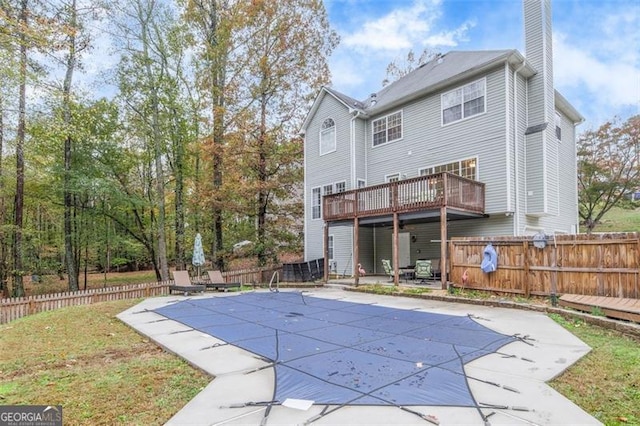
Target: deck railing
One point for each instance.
(409, 195)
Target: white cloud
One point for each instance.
(358, 64)
(403, 28)
(613, 80)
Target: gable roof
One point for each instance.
(349, 103)
(442, 71)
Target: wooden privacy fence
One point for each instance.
(18, 307)
(596, 264)
(14, 308)
(252, 276)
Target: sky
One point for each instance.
(596, 45)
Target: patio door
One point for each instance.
(404, 249)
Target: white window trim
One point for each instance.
(335, 132)
(442, 124)
(385, 117)
(390, 175)
(331, 243)
(335, 186)
(319, 188)
(475, 157)
(558, 125)
(364, 183)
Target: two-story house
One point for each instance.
(472, 143)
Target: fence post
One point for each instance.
(527, 289)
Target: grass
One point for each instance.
(606, 382)
(100, 371)
(620, 220)
(390, 289)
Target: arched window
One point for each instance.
(328, 136)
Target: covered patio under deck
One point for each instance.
(440, 197)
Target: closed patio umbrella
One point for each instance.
(198, 253)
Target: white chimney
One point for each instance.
(542, 152)
(539, 53)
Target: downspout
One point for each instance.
(516, 138)
(304, 194)
(352, 124)
(355, 114)
(507, 132)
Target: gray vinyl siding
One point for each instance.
(521, 177)
(342, 248)
(535, 173)
(325, 169)
(567, 206)
(367, 249)
(361, 151)
(426, 142)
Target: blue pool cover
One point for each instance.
(337, 352)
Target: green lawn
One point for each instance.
(606, 382)
(620, 220)
(100, 370)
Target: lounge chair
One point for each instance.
(182, 282)
(216, 280)
(388, 270)
(423, 271)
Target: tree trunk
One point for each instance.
(262, 185)
(4, 273)
(157, 150)
(218, 141)
(179, 206)
(70, 258)
(18, 205)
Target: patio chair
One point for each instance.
(423, 271)
(182, 282)
(216, 280)
(388, 270)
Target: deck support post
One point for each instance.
(326, 251)
(356, 251)
(396, 274)
(443, 246)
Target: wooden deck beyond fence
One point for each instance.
(594, 265)
(14, 308)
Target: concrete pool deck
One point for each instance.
(522, 396)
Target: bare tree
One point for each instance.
(398, 69)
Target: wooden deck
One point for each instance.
(409, 195)
(614, 307)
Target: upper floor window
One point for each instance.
(387, 129)
(465, 168)
(392, 178)
(558, 126)
(341, 187)
(328, 136)
(463, 102)
(316, 203)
